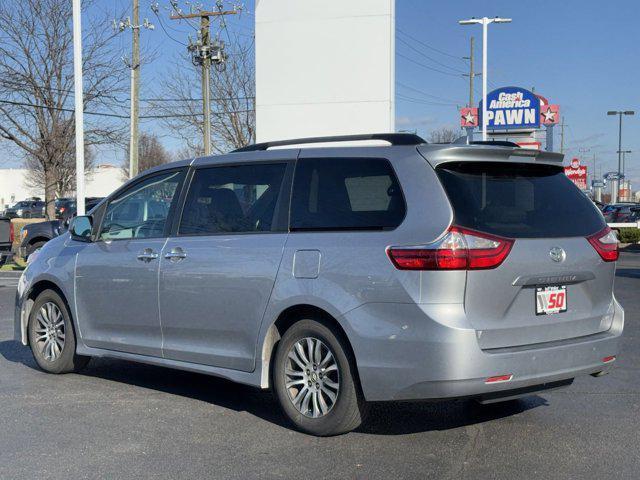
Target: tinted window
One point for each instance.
(142, 210)
(346, 194)
(518, 200)
(233, 199)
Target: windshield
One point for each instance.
(518, 200)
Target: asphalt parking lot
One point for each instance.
(123, 420)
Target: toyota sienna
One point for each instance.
(338, 275)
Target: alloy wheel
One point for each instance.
(50, 331)
(312, 377)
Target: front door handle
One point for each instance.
(175, 254)
(147, 255)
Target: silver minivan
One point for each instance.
(338, 275)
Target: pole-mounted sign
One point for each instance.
(577, 173)
(512, 108)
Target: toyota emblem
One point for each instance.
(557, 254)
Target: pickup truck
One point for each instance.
(35, 235)
(6, 239)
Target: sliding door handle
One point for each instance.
(147, 255)
(175, 254)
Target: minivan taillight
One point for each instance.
(12, 234)
(459, 249)
(605, 243)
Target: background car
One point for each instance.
(621, 212)
(6, 239)
(26, 209)
(35, 235)
(66, 207)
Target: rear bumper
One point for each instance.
(412, 352)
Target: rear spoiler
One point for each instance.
(437, 154)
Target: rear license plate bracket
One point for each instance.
(551, 300)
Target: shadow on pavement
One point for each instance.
(389, 418)
(395, 418)
(17, 353)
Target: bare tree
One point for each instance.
(443, 135)
(232, 102)
(151, 153)
(63, 173)
(36, 86)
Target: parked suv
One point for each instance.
(338, 276)
(26, 209)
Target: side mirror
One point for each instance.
(81, 228)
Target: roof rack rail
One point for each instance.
(392, 138)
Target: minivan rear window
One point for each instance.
(346, 194)
(518, 200)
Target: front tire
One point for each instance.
(51, 335)
(32, 248)
(316, 381)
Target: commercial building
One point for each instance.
(14, 187)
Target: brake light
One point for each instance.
(12, 232)
(606, 244)
(459, 249)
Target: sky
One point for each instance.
(581, 55)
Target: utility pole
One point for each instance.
(134, 66)
(204, 53)
(471, 74)
(562, 135)
(135, 84)
(206, 77)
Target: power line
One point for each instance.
(429, 46)
(167, 33)
(428, 67)
(419, 52)
(425, 93)
(423, 101)
(115, 115)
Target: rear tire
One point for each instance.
(327, 377)
(51, 335)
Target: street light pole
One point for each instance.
(484, 21)
(620, 113)
(79, 107)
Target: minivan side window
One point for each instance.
(233, 199)
(142, 210)
(346, 194)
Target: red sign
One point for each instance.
(577, 173)
(468, 117)
(549, 114)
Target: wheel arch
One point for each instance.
(36, 289)
(284, 321)
(40, 238)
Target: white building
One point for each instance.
(100, 182)
(324, 68)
